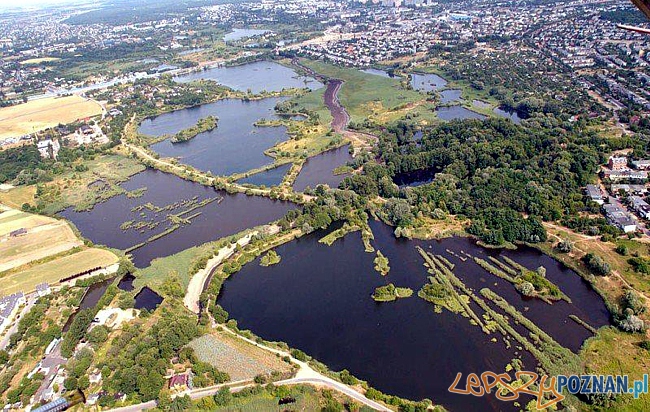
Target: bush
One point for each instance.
(596, 264)
(632, 324)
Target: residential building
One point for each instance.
(618, 217)
(628, 189)
(640, 206)
(626, 174)
(181, 381)
(617, 163)
(43, 289)
(641, 164)
(9, 307)
(595, 194)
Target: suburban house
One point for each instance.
(9, 307)
(641, 164)
(43, 289)
(629, 189)
(181, 382)
(626, 174)
(595, 194)
(617, 163)
(618, 217)
(640, 206)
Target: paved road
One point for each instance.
(31, 300)
(305, 376)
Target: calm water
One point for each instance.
(126, 283)
(481, 104)
(256, 77)
(217, 219)
(318, 300)
(457, 112)
(268, 178)
(414, 178)
(235, 146)
(510, 114)
(378, 72)
(319, 169)
(90, 299)
(426, 82)
(147, 299)
(450, 96)
(238, 34)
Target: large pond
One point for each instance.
(238, 34)
(256, 77)
(123, 222)
(414, 178)
(317, 299)
(457, 112)
(378, 72)
(450, 96)
(271, 177)
(427, 82)
(236, 145)
(320, 169)
(510, 114)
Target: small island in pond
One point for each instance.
(390, 293)
(270, 258)
(203, 125)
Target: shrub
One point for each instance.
(596, 264)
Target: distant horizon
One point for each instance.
(28, 4)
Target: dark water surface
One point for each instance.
(147, 299)
(272, 177)
(235, 146)
(90, 299)
(450, 96)
(238, 34)
(256, 77)
(319, 169)
(217, 219)
(318, 300)
(457, 112)
(414, 178)
(510, 114)
(427, 82)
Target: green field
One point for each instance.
(55, 270)
(81, 189)
(365, 95)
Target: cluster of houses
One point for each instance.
(9, 306)
(620, 214)
(619, 169)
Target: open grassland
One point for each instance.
(239, 358)
(43, 114)
(45, 237)
(612, 352)
(620, 264)
(39, 60)
(366, 95)
(98, 182)
(179, 264)
(54, 270)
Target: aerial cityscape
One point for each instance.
(336, 205)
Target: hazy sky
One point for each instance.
(12, 4)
